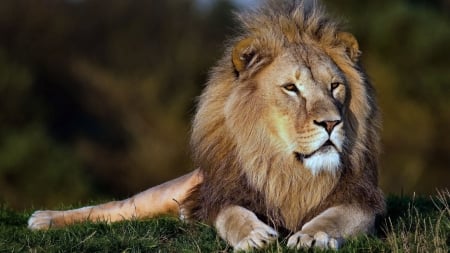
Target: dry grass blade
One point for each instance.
(418, 233)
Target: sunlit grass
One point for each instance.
(413, 224)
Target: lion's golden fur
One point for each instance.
(232, 150)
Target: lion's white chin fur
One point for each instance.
(323, 161)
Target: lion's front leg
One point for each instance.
(243, 230)
(328, 229)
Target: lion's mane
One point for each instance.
(251, 172)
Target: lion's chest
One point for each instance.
(296, 200)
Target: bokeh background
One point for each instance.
(96, 96)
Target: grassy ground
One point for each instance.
(413, 224)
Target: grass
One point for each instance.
(412, 224)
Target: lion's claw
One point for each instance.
(257, 239)
(319, 240)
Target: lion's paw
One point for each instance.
(258, 238)
(41, 220)
(319, 240)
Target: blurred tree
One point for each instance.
(114, 84)
(33, 168)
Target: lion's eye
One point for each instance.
(336, 92)
(334, 85)
(290, 87)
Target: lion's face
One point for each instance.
(304, 99)
(299, 103)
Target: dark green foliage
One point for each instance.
(399, 205)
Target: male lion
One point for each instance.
(285, 138)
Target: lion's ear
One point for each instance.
(244, 54)
(351, 45)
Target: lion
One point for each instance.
(285, 139)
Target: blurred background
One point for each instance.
(96, 96)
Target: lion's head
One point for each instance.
(289, 108)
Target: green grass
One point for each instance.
(413, 224)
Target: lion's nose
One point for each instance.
(327, 124)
